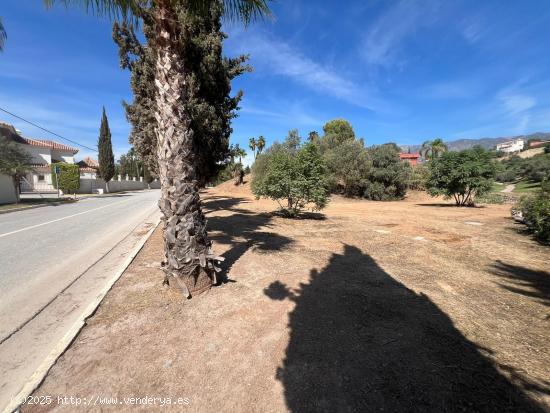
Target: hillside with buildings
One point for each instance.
(487, 143)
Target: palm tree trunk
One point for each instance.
(189, 263)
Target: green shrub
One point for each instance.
(387, 178)
(348, 166)
(462, 175)
(535, 210)
(336, 132)
(68, 175)
(417, 178)
(293, 174)
(537, 168)
(507, 175)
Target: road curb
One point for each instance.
(7, 211)
(68, 201)
(41, 372)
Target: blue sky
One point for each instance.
(402, 71)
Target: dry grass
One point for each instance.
(403, 306)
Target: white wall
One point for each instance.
(511, 146)
(7, 191)
(89, 186)
(38, 154)
(88, 175)
(64, 156)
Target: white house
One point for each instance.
(43, 153)
(89, 168)
(513, 146)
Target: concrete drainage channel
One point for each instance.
(25, 367)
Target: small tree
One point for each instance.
(14, 162)
(252, 144)
(295, 176)
(348, 165)
(418, 175)
(313, 136)
(387, 178)
(461, 175)
(433, 149)
(260, 143)
(106, 156)
(535, 210)
(68, 176)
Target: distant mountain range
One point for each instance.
(487, 143)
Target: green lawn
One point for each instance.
(527, 186)
(497, 187)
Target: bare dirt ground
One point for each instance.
(403, 306)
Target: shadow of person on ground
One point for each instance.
(360, 341)
(520, 280)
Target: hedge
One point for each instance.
(69, 177)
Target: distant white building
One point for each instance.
(513, 146)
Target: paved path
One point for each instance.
(53, 262)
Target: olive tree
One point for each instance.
(295, 175)
(461, 175)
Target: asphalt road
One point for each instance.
(43, 249)
(54, 261)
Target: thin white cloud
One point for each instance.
(453, 89)
(293, 113)
(277, 57)
(381, 42)
(515, 102)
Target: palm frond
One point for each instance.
(234, 10)
(246, 10)
(3, 35)
(125, 10)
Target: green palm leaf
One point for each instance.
(127, 10)
(3, 35)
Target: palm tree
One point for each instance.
(433, 149)
(189, 260)
(3, 35)
(313, 136)
(252, 144)
(240, 152)
(260, 144)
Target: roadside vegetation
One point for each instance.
(66, 177)
(14, 162)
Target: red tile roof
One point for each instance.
(409, 155)
(88, 163)
(86, 169)
(49, 144)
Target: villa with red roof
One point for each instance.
(43, 153)
(411, 158)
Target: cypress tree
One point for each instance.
(209, 103)
(106, 157)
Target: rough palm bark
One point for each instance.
(189, 263)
